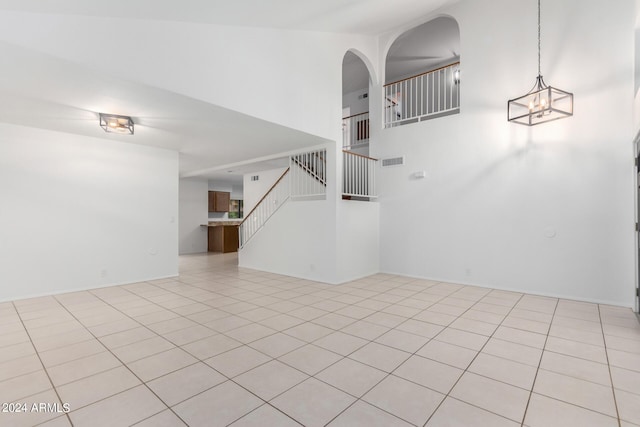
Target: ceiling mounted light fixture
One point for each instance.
(116, 124)
(542, 103)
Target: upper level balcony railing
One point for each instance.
(425, 96)
(358, 176)
(355, 130)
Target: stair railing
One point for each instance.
(358, 175)
(355, 130)
(305, 177)
(308, 174)
(273, 199)
(424, 96)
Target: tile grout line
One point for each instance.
(444, 297)
(197, 358)
(327, 367)
(55, 389)
(264, 404)
(387, 374)
(304, 321)
(258, 322)
(448, 394)
(317, 379)
(521, 296)
(576, 377)
(322, 298)
(606, 353)
(533, 384)
(123, 364)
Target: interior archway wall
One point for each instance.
(434, 43)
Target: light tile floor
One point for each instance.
(222, 346)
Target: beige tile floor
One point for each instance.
(227, 346)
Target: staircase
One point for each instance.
(308, 175)
(273, 199)
(304, 179)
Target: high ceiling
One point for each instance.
(339, 16)
(41, 90)
(50, 93)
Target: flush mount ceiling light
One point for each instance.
(116, 124)
(542, 103)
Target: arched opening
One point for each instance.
(355, 104)
(358, 170)
(422, 73)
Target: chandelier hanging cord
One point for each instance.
(539, 72)
(539, 84)
(542, 103)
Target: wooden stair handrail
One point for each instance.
(315, 153)
(265, 195)
(359, 155)
(422, 74)
(308, 170)
(355, 115)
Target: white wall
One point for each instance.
(254, 190)
(82, 212)
(298, 240)
(298, 83)
(237, 192)
(358, 235)
(355, 104)
(219, 186)
(193, 205)
(328, 240)
(547, 209)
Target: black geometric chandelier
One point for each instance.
(116, 124)
(542, 103)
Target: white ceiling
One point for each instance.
(422, 48)
(346, 16)
(233, 174)
(48, 92)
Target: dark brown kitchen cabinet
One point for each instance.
(223, 238)
(219, 201)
